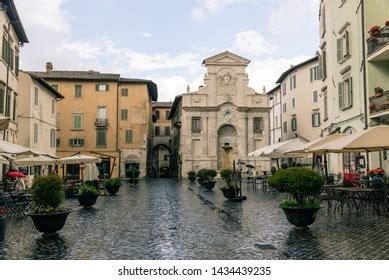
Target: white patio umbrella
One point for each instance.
(370, 140)
(11, 148)
(91, 172)
(3, 160)
(311, 145)
(77, 159)
(37, 160)
(278, 150)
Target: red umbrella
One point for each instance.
(16, 174)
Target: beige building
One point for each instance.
(13, 38)
(298, 103)
(161, 139)
(223, 121)
(275, 102)
(106, 116)
(36, 119)
(348, 77)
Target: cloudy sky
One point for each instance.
(166, 41)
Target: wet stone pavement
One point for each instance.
(165, 219)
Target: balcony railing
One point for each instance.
(101, 123)
(378, 41)
(379, 104)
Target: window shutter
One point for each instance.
(4, 48)
(97, 87)
(339, 49)
(290, 83)
(324, 65)
(351, 92)
(107, 87)
(340, 95)
(71, 142)
(17, 66)
(311, 75)
(81, 142)
(347, 35)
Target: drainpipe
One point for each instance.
(117, 131)
(364, 64)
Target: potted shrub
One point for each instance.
(3, 223)
(112, 185)
(206, 177)
(87, 195)
(132, 175)
(284, 165)
(70, 190)
(192, 176)
(273, 170)
(303, 185)
(48, 195)
(230, 183)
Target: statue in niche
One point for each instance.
(226, 84)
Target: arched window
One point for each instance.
(157, 114)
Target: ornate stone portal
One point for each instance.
(220, 121)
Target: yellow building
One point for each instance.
(106, 116)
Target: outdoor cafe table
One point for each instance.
(356, 193)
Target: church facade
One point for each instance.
(223, 121)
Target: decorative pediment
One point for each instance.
(227, 59)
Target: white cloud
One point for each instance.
(212, 7)
(252, 42)
(293, 15)
(265, 72)
(145, 34)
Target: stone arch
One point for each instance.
(349, 130)
(161, 161)
(227, 145)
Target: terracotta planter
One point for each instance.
(300, 217)
(50, 223)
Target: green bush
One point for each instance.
(206, 175)
(191, 174)
(229, 178)
(302, 183)
(48, 193)
(87, 189)
(113, 182)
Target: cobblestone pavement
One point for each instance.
(164, 219)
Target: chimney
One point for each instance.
(264, 90)
(49, 67)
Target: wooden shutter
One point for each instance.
(312, 75)
(71, 142)
(340, 95)
(4, 53)
(324, 65)
(339, 49)
(107, 87)
(97, 87)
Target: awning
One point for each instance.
(4, 123)
(311, 145)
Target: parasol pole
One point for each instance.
(325, 167)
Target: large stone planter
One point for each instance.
(112, 190)
(208, 185)
(300, 217)
(51, 222)
(192, 179)
(3, 226)
(87, 200)
(133, 181)
(229, 193)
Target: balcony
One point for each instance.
(378, 45)
(379, 106)
(101, 123)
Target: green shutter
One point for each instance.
(4, 53)
(340, 95)
(97, 87)
(311, 74)
(339, 49)
(16, 66)
(2, 90)
(351, 92)
(107, 87)
(14, 109)
(347, 43)
(128, 136)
